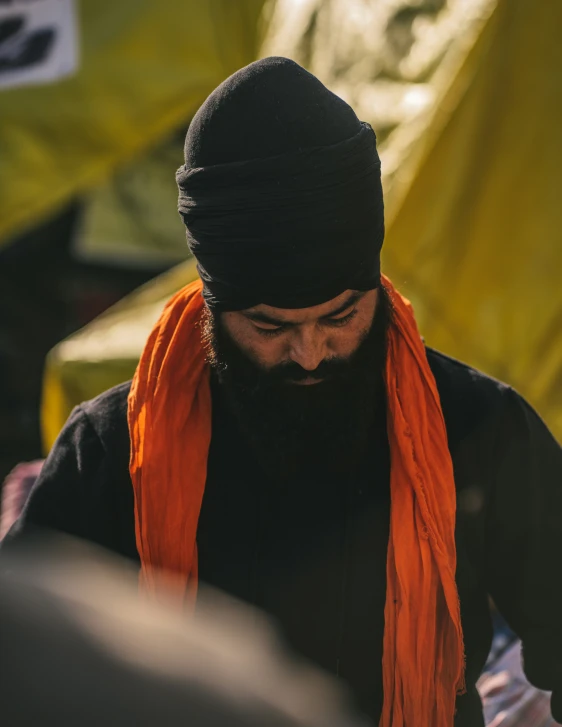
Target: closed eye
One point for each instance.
(271, 330)
(342, 321)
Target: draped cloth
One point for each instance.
(170, 430)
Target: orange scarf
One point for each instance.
(170, 430)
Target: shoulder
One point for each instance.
(107, 413)
(451, 374)
(84, 487)
(470, 399)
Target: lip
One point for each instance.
(310, 381)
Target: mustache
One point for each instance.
(330, 368)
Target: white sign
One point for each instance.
(38, 41)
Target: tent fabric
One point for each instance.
(392, 61)
(472, 180)
(105, 352)
(476, 240)
(467, 100)
(132, 220)
(144, 69)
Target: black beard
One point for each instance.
(304, 431)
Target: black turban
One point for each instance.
(280, 191)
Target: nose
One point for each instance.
(308, 347)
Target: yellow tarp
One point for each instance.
(466, 99)
(144, 69)
(133, 219)
(106, 351)
(473, 200)
(476, 240)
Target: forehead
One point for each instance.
(304, 315)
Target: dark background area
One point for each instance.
(45, 295)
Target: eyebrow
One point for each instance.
(264, 318)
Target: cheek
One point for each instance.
(269, 352)
(262, 350)
(344, 342)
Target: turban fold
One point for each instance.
(293, 215)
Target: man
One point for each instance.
(288, 438)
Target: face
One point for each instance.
(335, 351)
(303, 341)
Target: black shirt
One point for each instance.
(312, 554)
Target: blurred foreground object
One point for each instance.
(80, 648)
